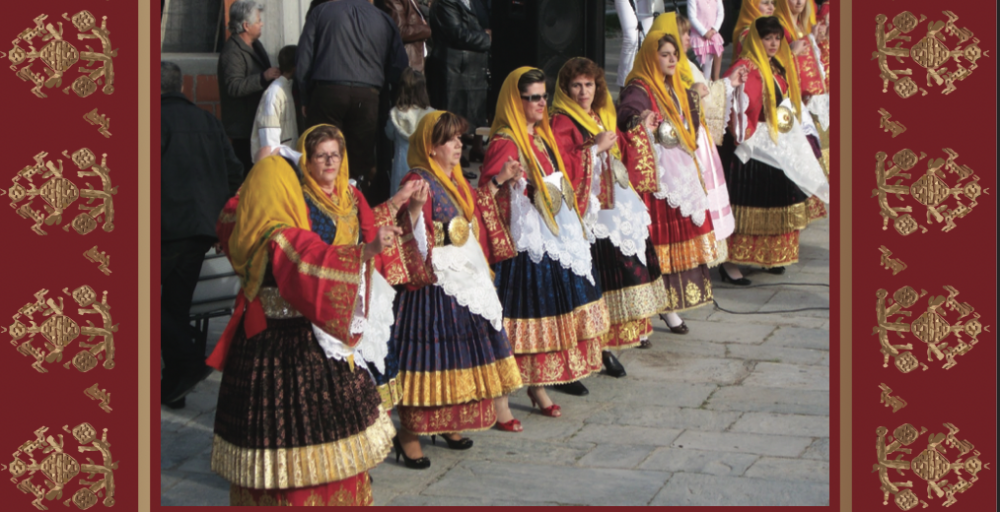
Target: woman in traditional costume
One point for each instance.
(750, 10)
(715, 99)
(667, 174)
(585, 126)
(552, 306)
(803, 33)
(300, 420)
(773, 171)
(456, 363)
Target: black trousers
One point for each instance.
(180, 266)
(354, 110)
(242, 149)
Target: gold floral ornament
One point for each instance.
(932, 465)
(931, 327)
(931, 53)
(99, 120)
(930, 190)
(101, 395)
(894, 264)
(58, 55)
(893, 127)
(895, 402)
(59, 193)
(59, 331)
(101, 258)
(59, 467)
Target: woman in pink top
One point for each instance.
(706, 19)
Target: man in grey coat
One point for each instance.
(244, 73)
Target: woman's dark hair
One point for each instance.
(321, 135)
(447, 127)
(412, 90)
(286, 58)
(533, 76)
(580, 66)
(767, 25)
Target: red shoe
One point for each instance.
(552, 411)
(511, 426)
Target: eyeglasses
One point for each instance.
(535, 98)
(326, 158)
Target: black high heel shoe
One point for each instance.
(726, 278)
(775, 270)
(676, 329)
(421, 463)
(462, 444)
(612, 366)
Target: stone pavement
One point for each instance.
(736, 412)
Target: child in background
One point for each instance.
(412, 104)
(275, 123)
(706, 19)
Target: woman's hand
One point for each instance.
(403, 195)
(418, 199)
(650, 119)
(511, 170)
(738, 77)
(821, 31)
(799, 48)
(701, 89)
(605, 141)
(711, 32)
(385, 236)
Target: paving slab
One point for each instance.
(689, 460)
(778, 446)
(777, 375)
(783, 424)
(818, 450)
(765, 399)
(772, 468)
(695, 489)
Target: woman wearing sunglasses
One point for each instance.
(659, 117)
(552, 305)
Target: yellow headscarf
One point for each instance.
(784, 13)
(510, 120)
(748, 13)
(667, 22)
(647, 69)
(419, 156)
(753, 50)
(607, 113)
(341, 205)
(272, 198)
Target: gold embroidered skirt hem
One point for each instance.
(304, 466)
(452, 387)
(561, 367)
(635, 302)
(446, 419)
(391, 393)
(752, 220)
(765, 250)
(355, 491)
(722, 253)
(627, 334)
(555, 333)
(688, 290)
(681, 256)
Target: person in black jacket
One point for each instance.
(244, 73)
(199, 172)
(458, 62)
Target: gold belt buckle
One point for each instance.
(784, 116)
(458, 231)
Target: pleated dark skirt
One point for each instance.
(632, 291)
(554, 318)
(288, 417)
(452, 363)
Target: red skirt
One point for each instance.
(355, 491)
(680, 244)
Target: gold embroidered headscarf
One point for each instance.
(342, 205)
(783, 11)
(510, 120)
(753, 50)
(607, 113)
(647, 69)
(667, 22)
(270, 198)
(419, 156)
(748, 13)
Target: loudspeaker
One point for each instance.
(542, 34)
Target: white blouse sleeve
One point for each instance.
(693, 18)
(420, 235)
(720, 15)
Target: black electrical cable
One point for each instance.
(720, 308)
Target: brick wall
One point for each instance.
(203, 90)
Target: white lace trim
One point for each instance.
(818, 54)
(792, 154)
(376, 329)
(464, 275)
(715, 182)
(530, 233)
(730, 104)
(679, 183)
(627, 224)
(820, 106)
(741, 102)
(420, 235)
(808, 126)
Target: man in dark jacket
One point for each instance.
(457, 65)
(349, 51)
(244, 73)
(413, 28)
(198, 173)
